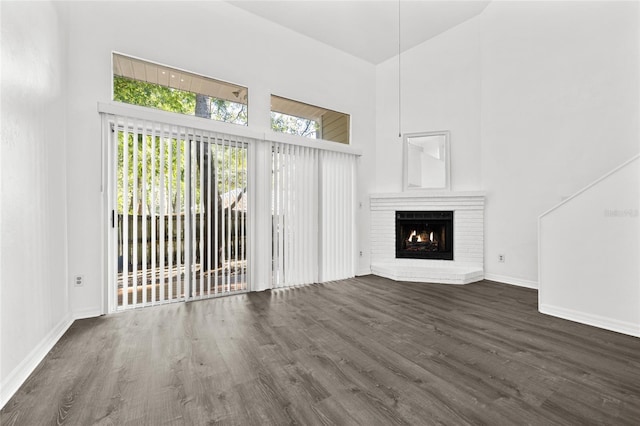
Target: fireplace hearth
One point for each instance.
(424, 235)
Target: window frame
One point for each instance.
(288, 107)
(227, 89)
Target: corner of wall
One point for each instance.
(520, 282)
(34, 281)
(16, 378)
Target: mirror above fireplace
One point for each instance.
(426, 160)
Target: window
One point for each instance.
(152, 85)
(297, 118)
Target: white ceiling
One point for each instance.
(367, 29)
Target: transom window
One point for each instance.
(298, 118)
(152, 85)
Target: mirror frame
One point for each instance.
(405, 160)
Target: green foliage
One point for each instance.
(155, 168)
(153, 95)
(294, 125)
(173, 100)
(229, 112)
(156, 173)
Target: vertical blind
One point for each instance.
(179, 210)
(337, 232)
(312, 215)
(294, 215)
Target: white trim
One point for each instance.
(190, 121)
(405, 159)
(88, 313)
(520, 282)
(425, 193)
(563, 202)
(321, 144)
(363, 271)
(171, 118)
(106, 188)
(591, 319)
(21, 373)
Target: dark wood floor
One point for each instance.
(363, 351)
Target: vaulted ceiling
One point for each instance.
(367, 29)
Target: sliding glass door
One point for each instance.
(179, 213)
(182, 212)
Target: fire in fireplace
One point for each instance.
(424, 234)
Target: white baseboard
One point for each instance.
(362, 272)
(591, 319)
(21, 373)
(510, 280)
(87, 313)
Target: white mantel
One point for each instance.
(467, 265)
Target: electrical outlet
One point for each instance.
(501, 258)
(360, 253)
(78, 280)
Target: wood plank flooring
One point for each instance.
(363, 351)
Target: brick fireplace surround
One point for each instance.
(467, 265)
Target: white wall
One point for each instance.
(541, 99)
(589, 251)
(559, 110)
(213, 39)
(440, 91)
(33, 277)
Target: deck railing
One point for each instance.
(172, 233)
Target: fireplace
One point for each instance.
(424, 234)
